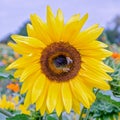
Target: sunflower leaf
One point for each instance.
(109, 100)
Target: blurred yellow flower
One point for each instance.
(60, 63)
(15, 99)
(23, 109)
(12, 103)
(5, 104)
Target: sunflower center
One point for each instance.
(60, 61)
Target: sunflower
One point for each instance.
(60, 63)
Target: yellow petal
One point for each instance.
(24, 110)
(19, 63)
(89, 46)
(94, 34)
(29, 81)
(49, 12)
(76, 106)
(87, 36)
(91, 33)
(91, 96)
(43, 95)
(78, 91)
(88, 74)
(52, 96)
(52, 26)
(74, 18)
(38, 87)
(18, 73)
(59, 24)
(96, 64)
(40, 29)
(33, 42)
(29, 70)
(43, 108)
(31, 31)
(23, 49)
(66, 97)
(97, 53)
(72, 29)
(101, 84)
(99, 44)
(59, 105)
(88, 90)
(60, 17)
(27, 100)
(24, 61)
(16, 48)
(96, 71)
(93, 27)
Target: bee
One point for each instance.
(66, 67)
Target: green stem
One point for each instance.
(80, 118)
(6, 113)
(97, 91)
(60, 117)
(87, 114)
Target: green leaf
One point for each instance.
(4, 76)
(11, 76)
(108, 99)
(105, 108)
(19, 117)
(51, 118)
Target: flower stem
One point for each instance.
(80, 118)
(97, 91)
(87, 114)
(60, 117)
(6, 113)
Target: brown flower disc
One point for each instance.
(60, 61)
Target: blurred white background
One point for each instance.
(13, 13)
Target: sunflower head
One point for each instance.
(60, 63)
